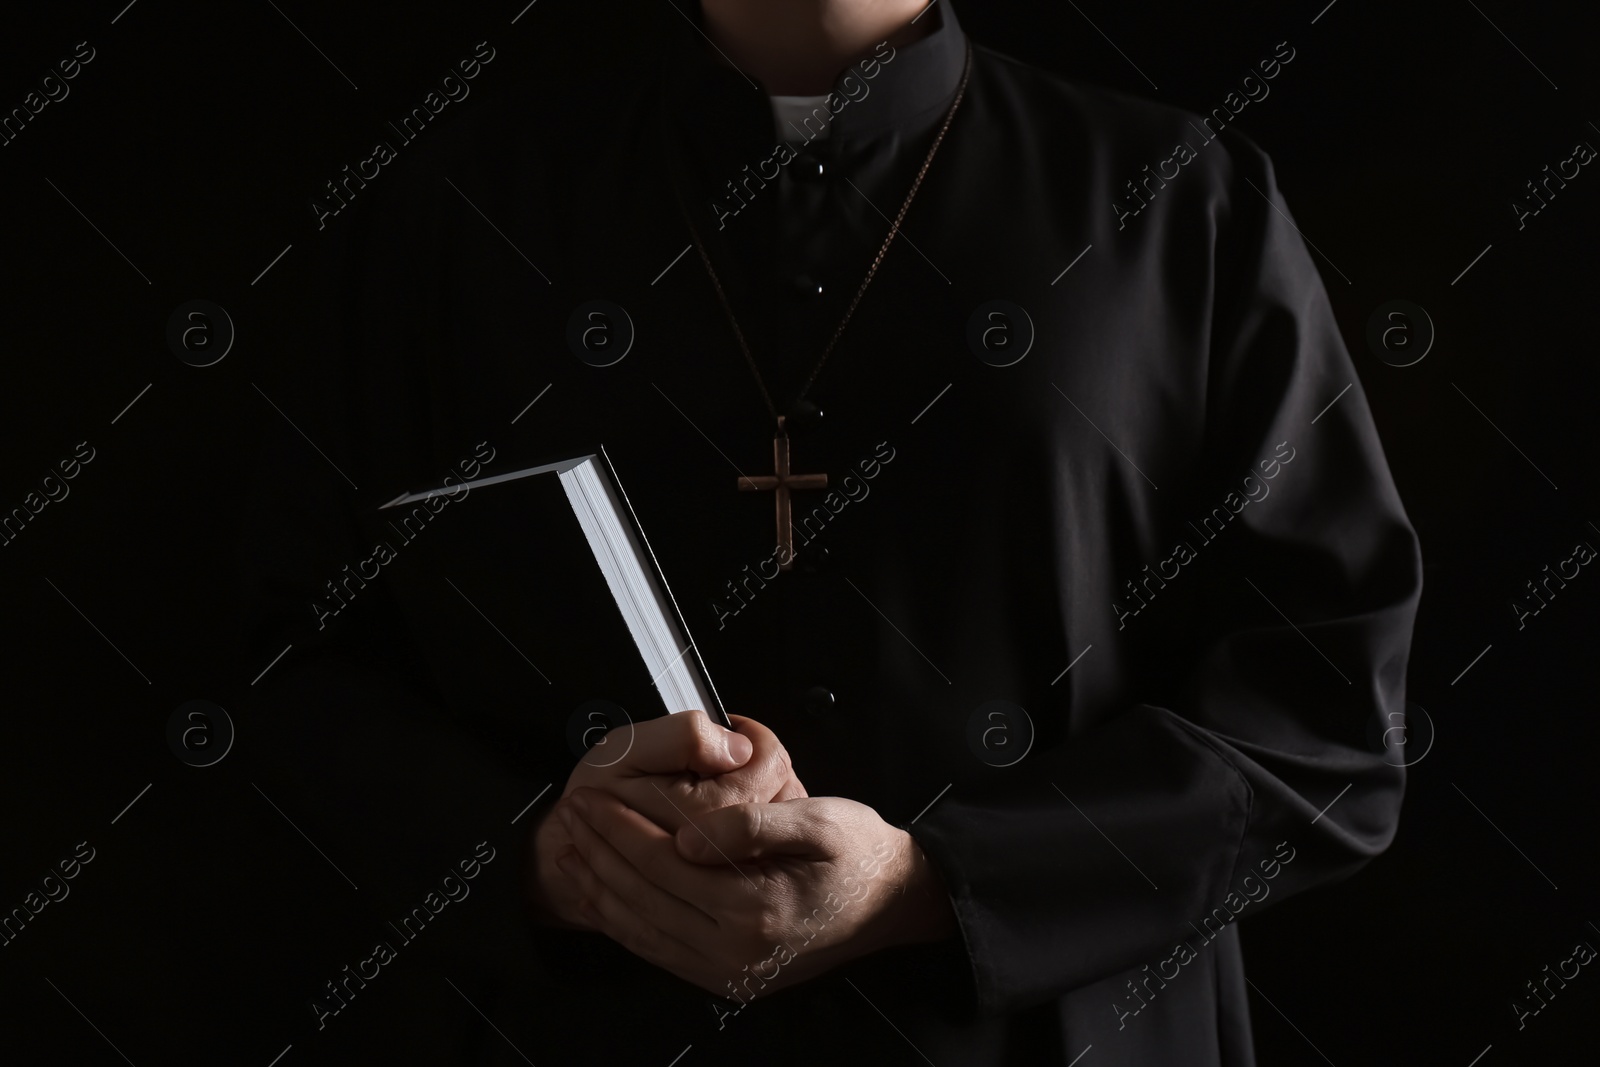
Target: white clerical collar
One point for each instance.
(791, 115)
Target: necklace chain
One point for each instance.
(894, 229)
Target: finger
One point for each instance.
(597, 864)
(649, 848)
(745, 832)
(768, 775)
(672, 800)
(610, 914)
(686, 741)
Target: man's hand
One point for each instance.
(752, 897)
(670, 769)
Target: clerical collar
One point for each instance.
(789, 114)
(904, 90)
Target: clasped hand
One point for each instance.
(699, 851)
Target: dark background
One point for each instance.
(195, 140)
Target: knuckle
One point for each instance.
(775, 770)
(750, 819)
(783, 766)
(756, 904)
(769, 759)
(687, 730)
(764, 921)
(705, 736)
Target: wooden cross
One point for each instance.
(781, 482)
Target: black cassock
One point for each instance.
(1167, 532)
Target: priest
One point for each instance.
(1021, 498)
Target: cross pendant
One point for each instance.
(781, 482)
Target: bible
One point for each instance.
(512, 555)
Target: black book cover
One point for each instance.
(508, 562)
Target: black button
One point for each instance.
(818, 700)
(806, 285)
(809, 168)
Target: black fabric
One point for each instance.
(1211, 712)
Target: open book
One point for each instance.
(631, 572)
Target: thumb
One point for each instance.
(755, 831)
(687, 741)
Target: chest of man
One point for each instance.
(1008, 394)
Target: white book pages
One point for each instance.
(633, 586)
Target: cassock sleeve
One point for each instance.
(1168, 818)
